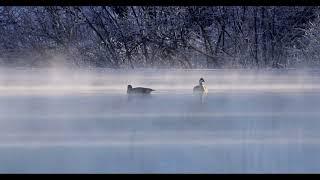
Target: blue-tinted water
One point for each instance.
(265, 123)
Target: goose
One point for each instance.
(200, 88)
(138, 90)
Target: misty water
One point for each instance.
(82, 121)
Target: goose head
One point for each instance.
(129, 88)
(201, 81)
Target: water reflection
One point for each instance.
(138, 97)
(201, 97)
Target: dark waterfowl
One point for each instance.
(201, 88)
(138, 90)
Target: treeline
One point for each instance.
(165, 37)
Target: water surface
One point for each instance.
(82, 121)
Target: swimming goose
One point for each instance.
(201, 88)
(138, 90)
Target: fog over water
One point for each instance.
(82, 121)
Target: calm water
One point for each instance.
(71, 121)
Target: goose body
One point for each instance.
(201, 88)
(138, 90)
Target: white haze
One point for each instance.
(62, 80)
